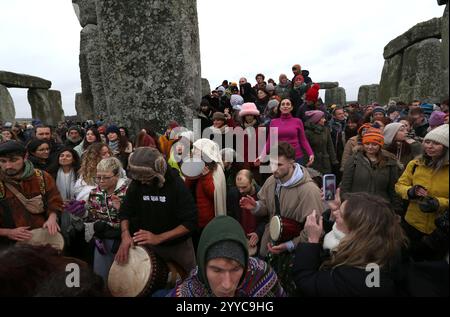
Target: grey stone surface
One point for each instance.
(328, 84)
(368, 94)
(419, 32)
(92, 86)
(15, 80)
(206, 88)
(444, 55)
(7, 110)
(421, 72)
(150, 61)
(335, 96)
(390, 78)
(46, 105)
(84, 111)
(85, 11)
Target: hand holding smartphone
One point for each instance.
(329, 186)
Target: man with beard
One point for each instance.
(19, 177)
(73, 136)
(291, 195)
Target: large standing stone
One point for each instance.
(444, 55)
(421, 72)
(421, 31)
(150, 58)
(335, 96)
(328, 84)
(206, 88)
(85, 11)
(368, 94)
(14, 80)
(46, 105)
(92, 85)
(7, 110)
(390, 78)
(84, 111)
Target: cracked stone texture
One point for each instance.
(7, 110)
(368, 94)
(335, 96)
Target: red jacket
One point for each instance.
(204, 196)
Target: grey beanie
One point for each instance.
(390, 131)
(227, 249)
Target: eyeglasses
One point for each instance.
(98, 179)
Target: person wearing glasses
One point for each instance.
(39, 153)
(103, 206)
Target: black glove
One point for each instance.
(429, 204)
(412, 192)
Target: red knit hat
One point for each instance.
(313, 93)
(373, 135)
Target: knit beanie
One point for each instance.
(147, 164)
(439, 135)
(390, 131)
(219, 116)
(226, 249)
(112, 129)
(313, 93)
(273, 103)
(373, 135)
(437, 118)
(314, 116)
(378, 109)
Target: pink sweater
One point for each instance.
(290, 130)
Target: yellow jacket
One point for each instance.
(437, 186)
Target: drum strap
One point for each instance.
(277, 203)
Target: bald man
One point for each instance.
(253, 226)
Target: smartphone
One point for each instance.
(329, 186)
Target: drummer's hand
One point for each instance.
(277, 249)
(19, 234)
(247, 202)
(313, 228)
(143, 237)
(205, 171)
(51, 224)
(115, 201)
(124, 248)
(252, 239)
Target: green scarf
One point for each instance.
(28, 171)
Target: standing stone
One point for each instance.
(368, 94)
(206, 88)
(421, 72)
(335, 96)
(85, 11)
(57, 112)
(45, 105)
(7, 110)
(84, 111)
(444, 55)
(390, 78)
(150, 60)
(92, 86)
(328, 84)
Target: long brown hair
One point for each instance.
(89, 162)
(375, 234)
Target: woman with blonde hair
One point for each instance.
(363, 262)
(86, 181)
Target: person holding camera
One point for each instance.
(424, 183)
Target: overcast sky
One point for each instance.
(335, 40)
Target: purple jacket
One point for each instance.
(291, 130)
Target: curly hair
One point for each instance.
(89, 161)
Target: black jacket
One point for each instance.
(342, 281)
(159, 210)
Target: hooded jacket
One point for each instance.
(259, 280)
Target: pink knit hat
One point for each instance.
(248, 108)
(314, 115)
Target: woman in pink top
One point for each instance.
(290, 129)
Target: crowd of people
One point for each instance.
(233, 229)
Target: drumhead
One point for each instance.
(192, 167)
(41, 236)
(275, 228)
(131, 279)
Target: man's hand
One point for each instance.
(252, 239)
(19, 234)
(312, 228)
(277, 249)
(247, 202)
(124, 248)
(143, 237)
(51, 224)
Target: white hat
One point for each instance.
(439, 135)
